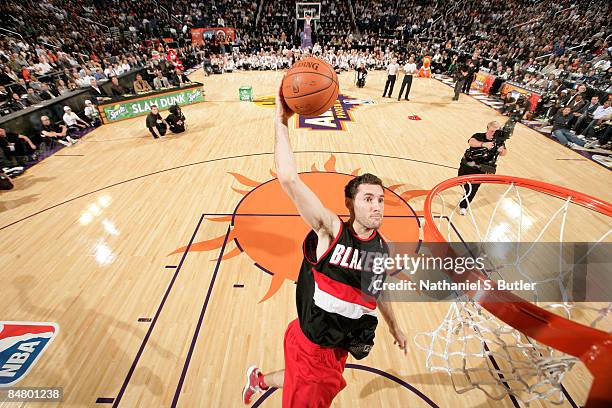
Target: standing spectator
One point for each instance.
(55, 131)
(471, 71)
(461, 74)
(392, 70)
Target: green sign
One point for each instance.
(129, 109)
(245, 93)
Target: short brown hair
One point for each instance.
(350, 190)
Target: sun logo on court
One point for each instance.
(267, 227)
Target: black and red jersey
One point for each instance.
(335, 297)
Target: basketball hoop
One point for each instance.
(308, 18)
(527, 348)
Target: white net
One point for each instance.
(478, 351)
(475, 348)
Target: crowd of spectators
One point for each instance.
(53, 47)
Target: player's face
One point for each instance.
(369, 205)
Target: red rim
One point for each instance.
(592, 346)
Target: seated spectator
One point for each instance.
(8, 169)
(561, 132)
(180, 78)
(72, 120)
(16, 147)
(99, 75)
(160, 81)
(16, 103)
(4, 96)
(33, 97)
(155, 123)
(140, 85)
(8, 76)
(95, 89)
(20, 87)
(54, 131)
(599, 116)
(91, 112)
(5, 180)
(116, 89)
(176, 119)
(110, 71)
(61, 87)
(601, 134)
(35, 83)
(586, 113)
(46, 92)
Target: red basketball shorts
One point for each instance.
(313, 374)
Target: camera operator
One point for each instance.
(481, 156)
(361, 74)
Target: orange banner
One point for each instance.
(483, 82)
(517, 91)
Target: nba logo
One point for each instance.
(21, 345)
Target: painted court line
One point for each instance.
(104, 400)
(199, 325)
(152, 325)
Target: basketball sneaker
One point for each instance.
(252, 386)
(462, 211)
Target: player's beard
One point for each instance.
(371, 222)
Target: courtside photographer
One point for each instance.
(481, 155)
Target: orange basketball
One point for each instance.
(310, 87)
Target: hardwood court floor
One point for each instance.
(87, 235)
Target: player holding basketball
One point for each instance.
(336, 309)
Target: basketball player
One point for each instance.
(336, 314)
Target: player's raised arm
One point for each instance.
(308, 204)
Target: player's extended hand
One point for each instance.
(283, 113)
(400, 340)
